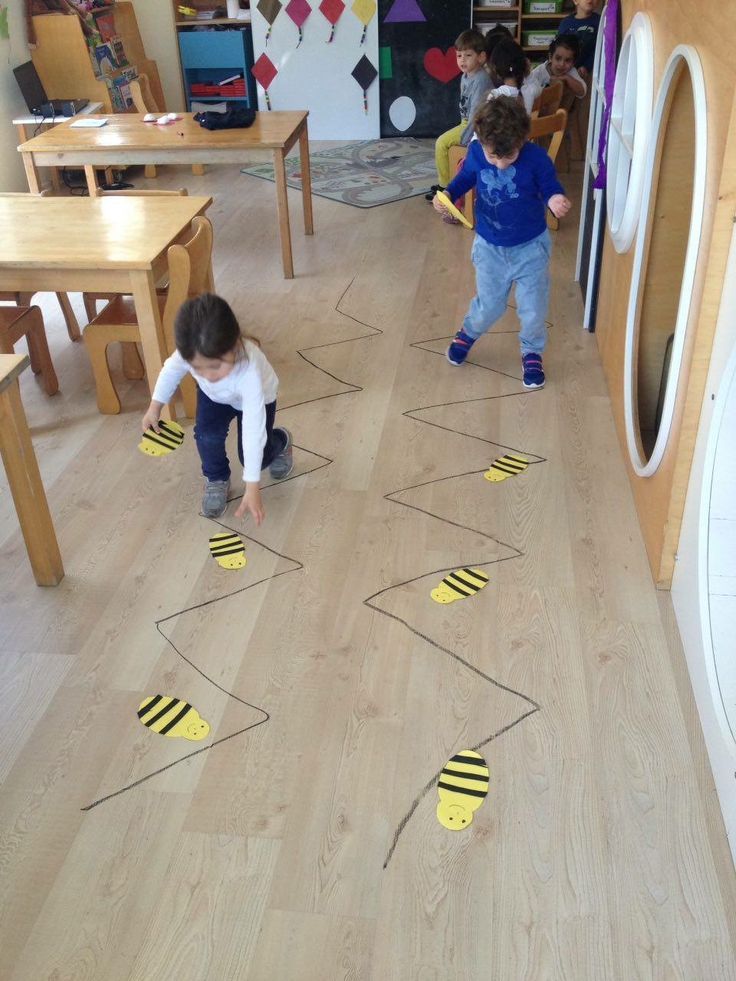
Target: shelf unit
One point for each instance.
(213, 50)
(485, 16)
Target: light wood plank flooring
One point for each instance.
(599, 854)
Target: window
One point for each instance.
(665, 257)
(629, 131)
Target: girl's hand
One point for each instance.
(559, 205)
(152, 417)
(251, 502)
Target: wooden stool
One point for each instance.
(17, 322)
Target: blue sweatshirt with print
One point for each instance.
(510, 204)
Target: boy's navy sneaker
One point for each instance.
(429, 196)
(457, 352)
(533, 370)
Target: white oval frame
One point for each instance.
(637, 58)
(646, 467)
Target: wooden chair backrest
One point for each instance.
(548, 101)
(189, 267)
(142, 96)
(554, 126)
(133, 192)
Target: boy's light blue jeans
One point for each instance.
(497, 269)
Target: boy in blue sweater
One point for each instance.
(515, 182)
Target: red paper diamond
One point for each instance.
(298, 10)
(264, 71)
(332, 9)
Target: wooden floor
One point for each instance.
(599, 854)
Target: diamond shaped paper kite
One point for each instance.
(269, 10)
(364, 74)
(264, 71)
(332, 10)
(298, 10)
(365, 11)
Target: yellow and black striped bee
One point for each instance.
(459, 584)
(462, 786)
(506, 466)
(169, 437)
(172, 717)
(228, 550)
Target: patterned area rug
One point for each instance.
(365, 174)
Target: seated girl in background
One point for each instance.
(560, 64)
(509, 69)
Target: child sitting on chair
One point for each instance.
(563, 52)
(470, 49)
(515, 182)
(509, 69)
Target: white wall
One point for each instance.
(316, 75)
(12, 53)
(156, 24)
(690, 586)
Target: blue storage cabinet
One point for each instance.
(210, 57)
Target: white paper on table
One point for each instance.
(88, 123)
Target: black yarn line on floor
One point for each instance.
(392, 496)
(297, 567)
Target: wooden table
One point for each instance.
(96, 245)
(24, 478)
(126, 139)
(28, 126)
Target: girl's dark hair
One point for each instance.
(493, 37)
(508, 61)
(206, 325)
(569, 41)
(502, 125)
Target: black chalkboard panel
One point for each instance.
(417, 63)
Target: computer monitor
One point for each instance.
(30, 86)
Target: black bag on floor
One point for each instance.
(236, 117)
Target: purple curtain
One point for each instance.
(610, 48)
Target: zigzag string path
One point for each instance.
(369, 601)
(297, 566)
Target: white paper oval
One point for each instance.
(402, 112)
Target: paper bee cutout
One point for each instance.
(462, 786)
(458, 585)
(169, 438)
(171, 717)
(506, 466)
(228, 550)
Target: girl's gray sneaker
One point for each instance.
(282, 464)
(214, 501)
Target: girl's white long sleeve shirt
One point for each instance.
(249, 387)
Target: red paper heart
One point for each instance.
(441, 65)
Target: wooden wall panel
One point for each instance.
(710, 27)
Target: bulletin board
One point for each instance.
(419, 77)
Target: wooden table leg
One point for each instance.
(91, 175)
(70, 318)
(143, 288)
(34, 185)
(282, 204)
(306, 173)
(25, 484)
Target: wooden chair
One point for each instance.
(548, 131)
(24, 299)
(456, 156)
(189, 270)
(144, 101)
(22, 321)
(548, 101)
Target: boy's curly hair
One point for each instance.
(502, 125)
(471, 40)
